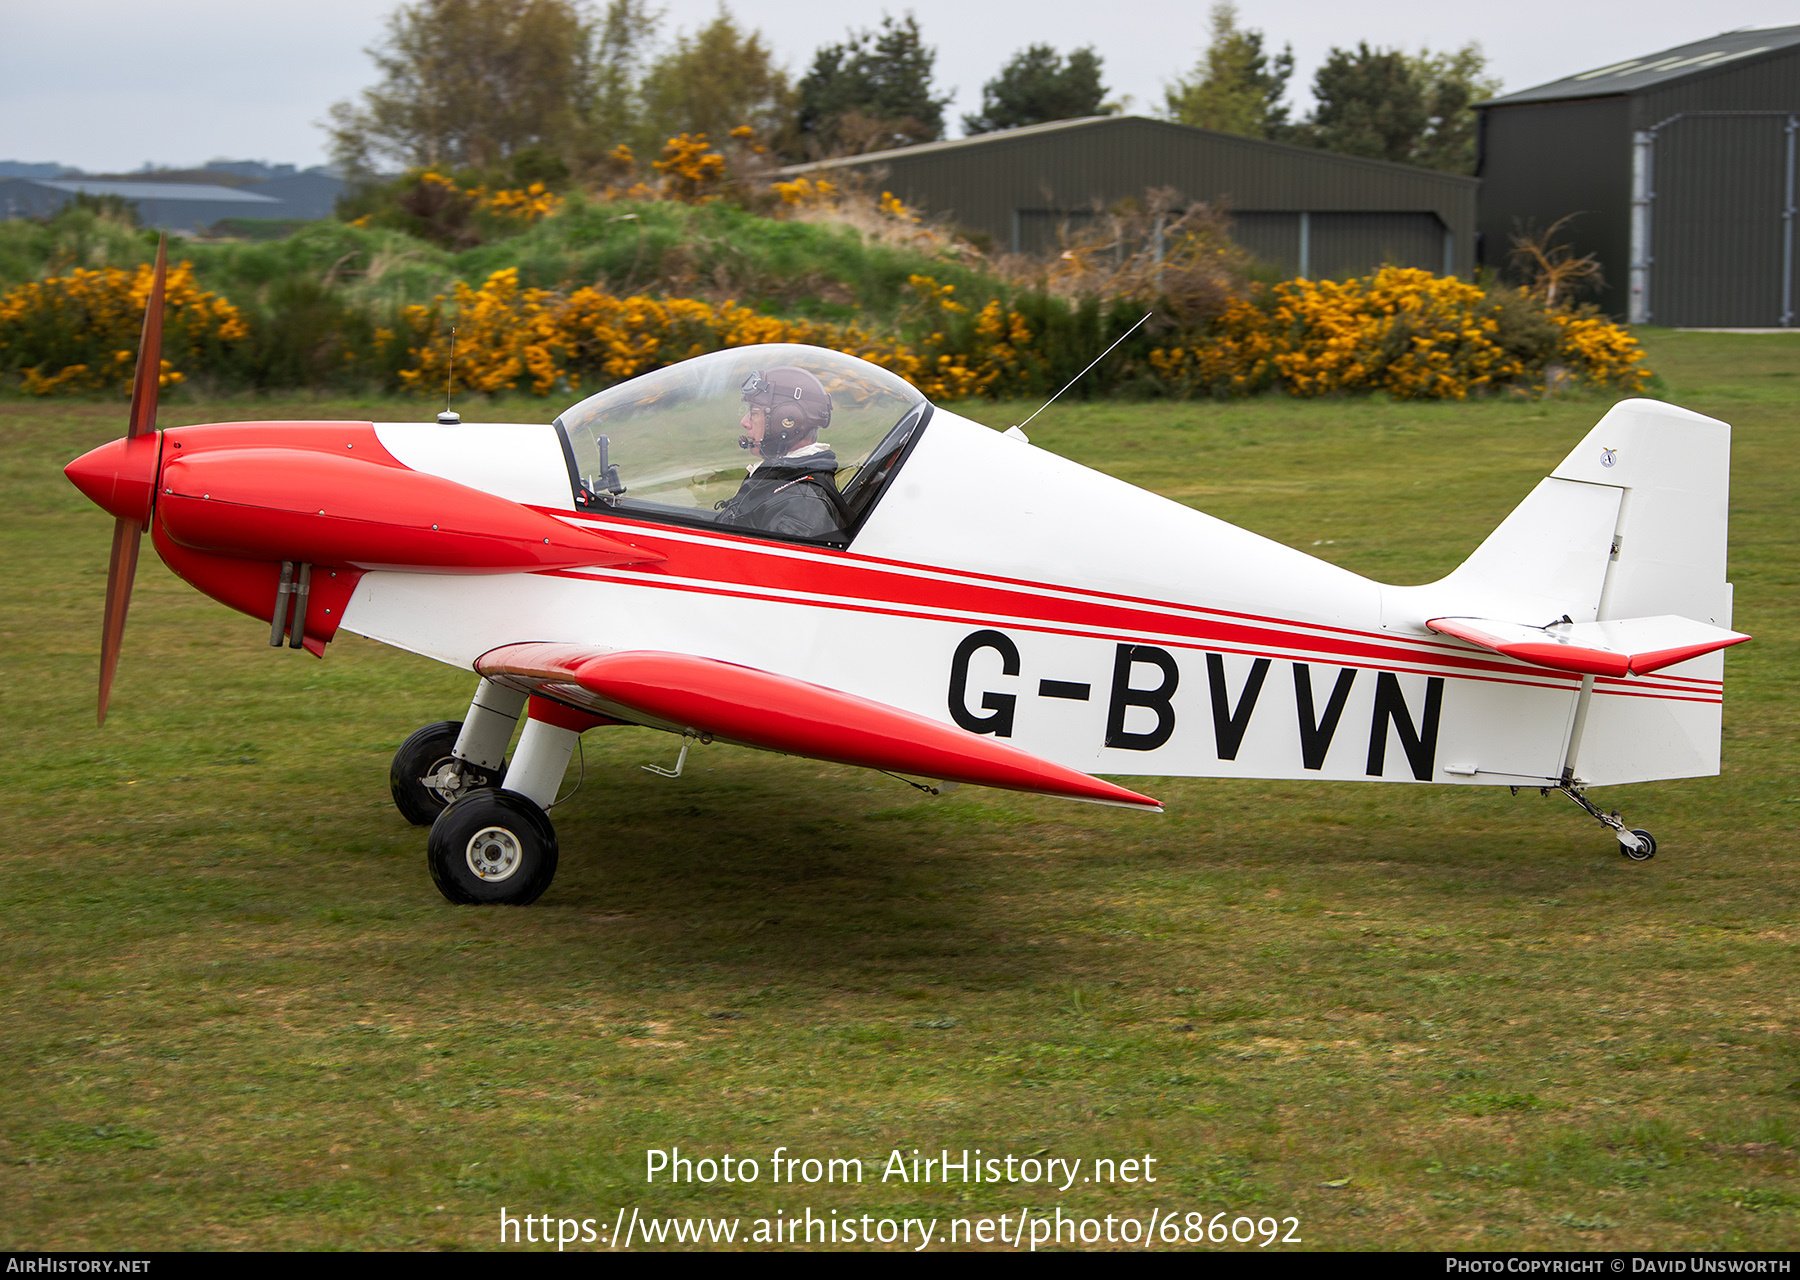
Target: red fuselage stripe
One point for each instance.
(1387, 664)
(732, 573)
(728, 566)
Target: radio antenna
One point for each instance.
(1078, 377)
(449, 418)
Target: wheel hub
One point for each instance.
(493, 854)
(446, 780)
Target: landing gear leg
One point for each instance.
(493, 714)
(1635, 843)
(446, 760)
(498, 845)
(539, 762)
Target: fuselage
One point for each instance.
(993, 585)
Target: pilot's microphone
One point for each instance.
(744, 442)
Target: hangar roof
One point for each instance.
(1005, 138)
(1679, 63)
(154, 190)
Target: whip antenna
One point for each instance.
(448, 417)
(1078, 377)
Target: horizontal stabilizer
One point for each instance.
(779, 713)
(1627, 646)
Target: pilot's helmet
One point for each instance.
(797, 402)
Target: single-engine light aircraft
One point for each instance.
(880, 582)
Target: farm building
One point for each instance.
(1679, 169)
(1308, 212)
(180, 205)
(177, 206)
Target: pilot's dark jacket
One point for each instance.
(788, 495)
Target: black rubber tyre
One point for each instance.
(1647, 852)
(492, 846)
(423, 756)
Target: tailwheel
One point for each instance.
(426, 776)
(1634, 842)
(492, 846)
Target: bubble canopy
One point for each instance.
(666, 445)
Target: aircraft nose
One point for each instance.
(120, 476)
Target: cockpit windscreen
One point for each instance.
(789, 440)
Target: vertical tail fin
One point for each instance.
(1631, 526)
(1674, 468)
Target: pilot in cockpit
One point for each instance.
(792, 487)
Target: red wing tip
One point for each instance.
(1120, 798)
(1153, 806)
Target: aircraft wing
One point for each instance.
(1627, 646)
(779, 713)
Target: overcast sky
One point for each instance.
(107, 85)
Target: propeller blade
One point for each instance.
(126, 534)
(148, 378)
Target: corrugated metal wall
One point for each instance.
(1354, 244)
(1716, 224)
(1335, 246)
(1542, 160)
(1025, 183)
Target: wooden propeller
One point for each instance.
(127, 533)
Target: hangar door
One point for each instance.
(1334, 246)
(1713, 203)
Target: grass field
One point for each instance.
(238, 1015)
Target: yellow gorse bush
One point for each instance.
(506, 338)
(806, 192)
(1403, 331)
(1602, 351)
(691, 169)
(525, 204)
(896, 208)
(528, 204)
(513, 338)
(80, 332)
(993, 357)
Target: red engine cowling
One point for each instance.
(306, 505)
(226, 503)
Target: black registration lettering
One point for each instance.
(1000, 723)
(1420, 744)
(1124, 697)
(1228, 723)
(1316, 733)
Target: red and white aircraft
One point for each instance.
(979, 611)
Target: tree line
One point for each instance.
(482, 83)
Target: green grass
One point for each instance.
(238, 1015)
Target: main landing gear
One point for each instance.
(1635, 843)
(491, 837)
(427, 774)
(492, 846)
